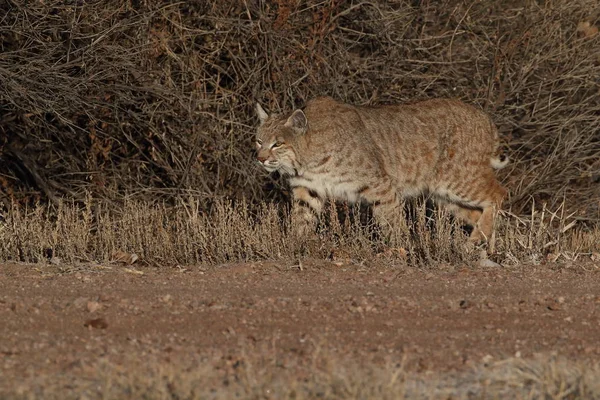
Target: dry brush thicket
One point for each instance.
(151, 100)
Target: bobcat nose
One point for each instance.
(262, 159)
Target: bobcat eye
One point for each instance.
(277, 144)
(258, 144)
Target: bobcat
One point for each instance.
(383, 154)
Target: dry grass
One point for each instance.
(268, 376)
(151, 100)
(184, 235)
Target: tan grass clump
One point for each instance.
(183, 234)
(259, 375)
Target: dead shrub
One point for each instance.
(154, 100)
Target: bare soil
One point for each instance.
(56, 322)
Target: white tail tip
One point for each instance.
(499, 162)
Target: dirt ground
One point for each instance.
(56, 323)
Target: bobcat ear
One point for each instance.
(262, 114)
(298, 122)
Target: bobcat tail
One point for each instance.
(499, 162)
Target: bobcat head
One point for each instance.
(277, 139)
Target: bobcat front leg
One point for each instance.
(305, 211)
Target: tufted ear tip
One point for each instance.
(262, 114)
(297, 121)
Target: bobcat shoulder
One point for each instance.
(382, 154)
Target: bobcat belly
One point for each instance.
(328, 187)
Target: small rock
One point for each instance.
(487, 359)
(464, 304)
(93, 306)
(167, 299)
(487, 263)
(96, 323)
(490, 305)
(80, 302)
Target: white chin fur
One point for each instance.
(282, 168)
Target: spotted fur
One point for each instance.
(384, 154)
